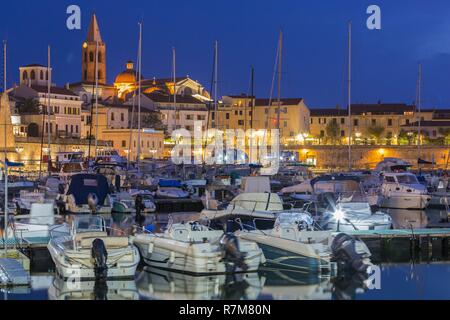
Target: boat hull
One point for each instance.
(417, 202)
(192, 258)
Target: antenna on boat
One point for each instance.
(139, 96)
(4, 86)
(96, 99)
(49, 86)
(174, 74)
(350, 96)
(419, 106)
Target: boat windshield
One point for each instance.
(89, 224)
(407, 179)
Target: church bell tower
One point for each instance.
(89, 54)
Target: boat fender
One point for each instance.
(99, 255)
(172, 257)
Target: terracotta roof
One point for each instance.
(54, 90)
(284, 101)
(429, 124)
(160, 97)
(324, 112)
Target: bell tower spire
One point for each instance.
(89, 52)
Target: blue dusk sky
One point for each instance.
(315, 44)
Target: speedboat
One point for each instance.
(194, 248)
(342, 205)
(403, 191)
(123, 202)
(257, 210)
(87, 252)
(171, 189)
(39, 224)
(295, 244)
(26, 199)
(86, 193)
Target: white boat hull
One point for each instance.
(401, 201)
(191, 258)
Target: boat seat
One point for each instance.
(110, 242)
(81, 236)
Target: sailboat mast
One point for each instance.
(4, 85)
(49, 85)
(280, 60)
(96, 99)
(350, 96)
(139, 96)
(252, 109)
(174, 73)
(419, 107)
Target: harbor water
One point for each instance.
(404, 274)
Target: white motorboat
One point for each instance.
(40, 223)
(344, 205)
(294, 244)
(403, 191)
(87, 252)
(160, 284)
(26, 199)
(171, 189)
(195, 249)
(86, 193)
(258, 210)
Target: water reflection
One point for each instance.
(165, 285)
(295, 285)
(408, 219)
(92, 290)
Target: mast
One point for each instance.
(4, 85)
(280, 60)
(174, 73)
(216, 46)
(139, 96)
(96, 99)
(208, 120)
(350, 96)
(252, 108)
(419, 106)
(49, 85)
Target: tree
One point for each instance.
(29, 106)
(150, 120)
(376, 132)
(333, 131)
(445, 132)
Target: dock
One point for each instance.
(14, 269)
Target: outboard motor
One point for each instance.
(350, 253)
(92, 201)
(139, 206)
(99, 255)
(229, 245)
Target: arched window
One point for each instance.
(99, 57)
(85, 75)
(46, 75)
(33, 130)
(99, 74)
(85, 56)
(33, 75)
(188, 91)
(85, 98)
(25, 75)
(41, 76)
(91, 56)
